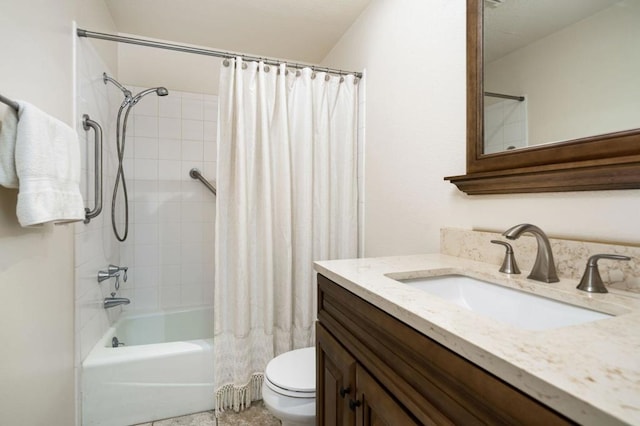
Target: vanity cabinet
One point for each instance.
(375, 405)
(336, 369)
(373, 369)
(349, 395)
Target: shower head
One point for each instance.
(127, 92)
(160, 91)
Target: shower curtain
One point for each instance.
(287, 195)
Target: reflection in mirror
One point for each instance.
(559, 70)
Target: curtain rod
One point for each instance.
(7, 101)
(500, 95)
(207, 52)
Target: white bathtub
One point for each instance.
(164, 370)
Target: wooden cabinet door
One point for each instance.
(336, 380)
(375, 406)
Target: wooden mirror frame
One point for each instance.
(609, 161)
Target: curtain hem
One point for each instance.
(238, 397)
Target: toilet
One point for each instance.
(289, 387)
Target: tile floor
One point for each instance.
(256, 415)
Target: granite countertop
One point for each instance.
(588, 372)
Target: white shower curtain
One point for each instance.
(287, 195)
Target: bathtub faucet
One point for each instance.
(105, 275)
(113, 271)
(111, 302)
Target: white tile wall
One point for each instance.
(95, 246)
(170, 251)
(505, 125)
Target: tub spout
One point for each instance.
(110, 302)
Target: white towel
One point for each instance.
(8, 176)
(47, 159)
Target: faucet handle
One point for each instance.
(105, 275)
(509, 265)
(113, 269)
(591, 280)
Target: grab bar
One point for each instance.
(195, 174)
(88, 123)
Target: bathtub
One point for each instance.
(164, 369)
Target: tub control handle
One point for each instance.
(115, 269)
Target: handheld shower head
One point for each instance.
(160, 91)
(121, 131)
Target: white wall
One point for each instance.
(580, 81)
(36, 265)
(414, 54)
(152, 67)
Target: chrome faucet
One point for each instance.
(544, 268)
(113, 271)
(110, 302)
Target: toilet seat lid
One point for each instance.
(293, 371)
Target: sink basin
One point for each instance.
(514, 307)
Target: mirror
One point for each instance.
(557, 71)
(567, 143)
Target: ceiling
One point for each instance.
(298, 30)
(307, 30)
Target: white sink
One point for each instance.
(514, 307)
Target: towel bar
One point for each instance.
(7, 101)
(88, 123)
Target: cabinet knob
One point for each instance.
(353, 404)
(344, 391)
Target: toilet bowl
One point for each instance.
(289, 387)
